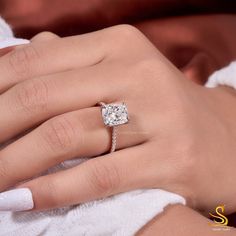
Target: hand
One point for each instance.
(180, 136)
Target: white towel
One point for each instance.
(225, 76)
(120, 215)
(6, 36)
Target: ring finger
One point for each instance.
(75, 134)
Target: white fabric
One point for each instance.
(6, 36)
(225, 76)
(120, 215)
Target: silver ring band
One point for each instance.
(114, 114)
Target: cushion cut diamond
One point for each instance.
(115, 114)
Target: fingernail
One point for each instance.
(19, 199)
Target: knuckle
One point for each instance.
(51, 189)
(123, 34)
(60, 134)
(21, 59)
(104, 177)
(32, 95)
(45, 35)
(126, 31)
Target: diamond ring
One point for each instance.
(114, 114)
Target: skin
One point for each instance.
(201, 54)
(196, 70)
(182, 220)
(60, 97)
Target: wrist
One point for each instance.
(223, 102)
(180, 220)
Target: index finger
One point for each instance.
(56, 55)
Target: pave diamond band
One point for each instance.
(114, 114)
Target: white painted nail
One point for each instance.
(19, 199)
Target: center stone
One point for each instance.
(115, 114)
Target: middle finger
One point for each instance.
(33, 101)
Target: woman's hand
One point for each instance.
(180, 136)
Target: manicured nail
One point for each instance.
(19, 199)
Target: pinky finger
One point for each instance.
(96, 178)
